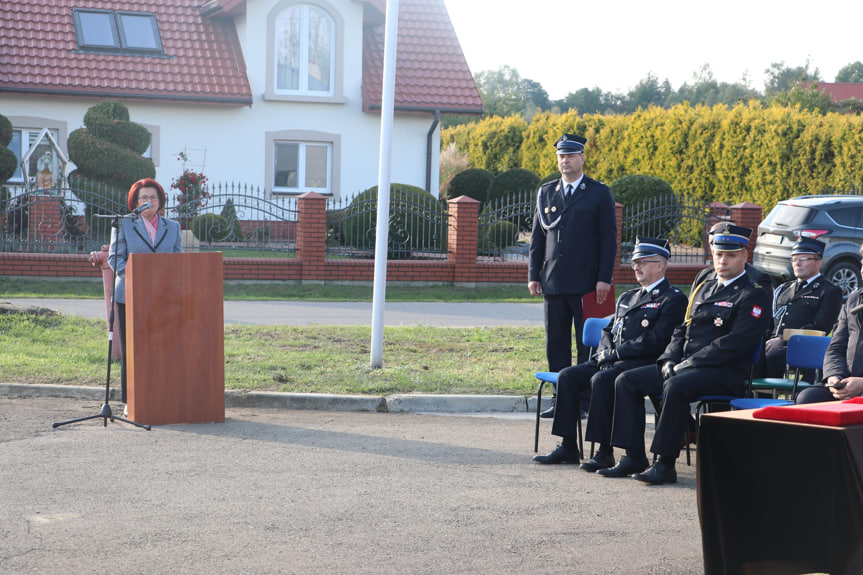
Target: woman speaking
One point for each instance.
(146, 234)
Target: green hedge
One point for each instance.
(747, 153)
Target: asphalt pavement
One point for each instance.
(321, 492)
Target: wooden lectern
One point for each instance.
(175, 336)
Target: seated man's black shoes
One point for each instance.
(549, 413)
(599, 461)
(625, 468)
(562, 454)
(658, 474)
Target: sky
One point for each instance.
(566, 45)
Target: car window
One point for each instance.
(788, 216)
(851, 217)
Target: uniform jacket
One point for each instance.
(135, 239)
(643, 324)
(814, 307)
(725, 328)
(844, 357)
(579, 248)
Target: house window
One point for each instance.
(305, 51)
(302, 167)
(117, 31)
(43, 167)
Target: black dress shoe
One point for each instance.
(548, 413)
(658, 474)
(561, 454)
(625, 468)
(600, 461)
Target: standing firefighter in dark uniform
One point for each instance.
(808, 302)
(708, 354)
(572, 249)
(643, 322)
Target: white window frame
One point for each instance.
(304, 138)
(303, 94)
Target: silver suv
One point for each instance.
(835, 220)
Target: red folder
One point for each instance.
(835, 413)
(592, 309)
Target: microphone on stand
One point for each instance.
(137, 211)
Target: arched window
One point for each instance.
(304, 51)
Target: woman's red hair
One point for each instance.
(132, 199)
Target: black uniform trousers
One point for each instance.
(561, 313)
(600, 416)
(678, 392)
(572, 385)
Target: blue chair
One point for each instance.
(591, 334)
(804, 352)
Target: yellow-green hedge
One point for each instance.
(748, 153)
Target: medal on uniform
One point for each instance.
(644, 323)
(553, 208)
(718, 322)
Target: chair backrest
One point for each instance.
(593, 330)
(754, 358)
(807, 351)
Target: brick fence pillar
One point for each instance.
(462, 237)
(311, 233)
(748, 215)
(45, 222)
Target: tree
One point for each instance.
(707, 91)
(648, 92)
(851, 73)
(504, 93)
(781, 78)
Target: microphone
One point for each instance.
(856, 309)
(137, 211)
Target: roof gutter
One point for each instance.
(429, 140)
(428, 109)
(125, 95)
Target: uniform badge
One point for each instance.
(545, 210)
(724, 304)
(756, 311)
(644, 323)
(654, 293)
(553, 208)
(718, 322)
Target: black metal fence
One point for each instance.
(504, 227)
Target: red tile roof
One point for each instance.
(431, 71)
(841, 91)
(204, 64)
(39, 55)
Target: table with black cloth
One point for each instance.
(779, 497)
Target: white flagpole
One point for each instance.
(383, 227)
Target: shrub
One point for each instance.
(512, 181)
(8, 160)
(473, 183)
(499, 236)
(660, 215)
(451, 163)
(417, 220)
(210, 228)
(229, 212)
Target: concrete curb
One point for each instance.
(399, 403)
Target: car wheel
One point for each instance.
(846, 275)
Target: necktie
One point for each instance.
(799, 286)
(642, 293)
(568, 191)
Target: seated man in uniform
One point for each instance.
(708, 354)
(809, 302)
(843, 361)
(643, 321)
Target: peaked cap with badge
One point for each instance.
(805, 245)
(646, 247)
(731, 238)
(570, 144)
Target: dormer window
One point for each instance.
(117, 31)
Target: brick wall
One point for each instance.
(311, 264)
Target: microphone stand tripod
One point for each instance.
(105, 412)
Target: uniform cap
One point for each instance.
(730, 238)
(805, 245)
(646, 247)
(570, 144)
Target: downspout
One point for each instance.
(429, 139)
